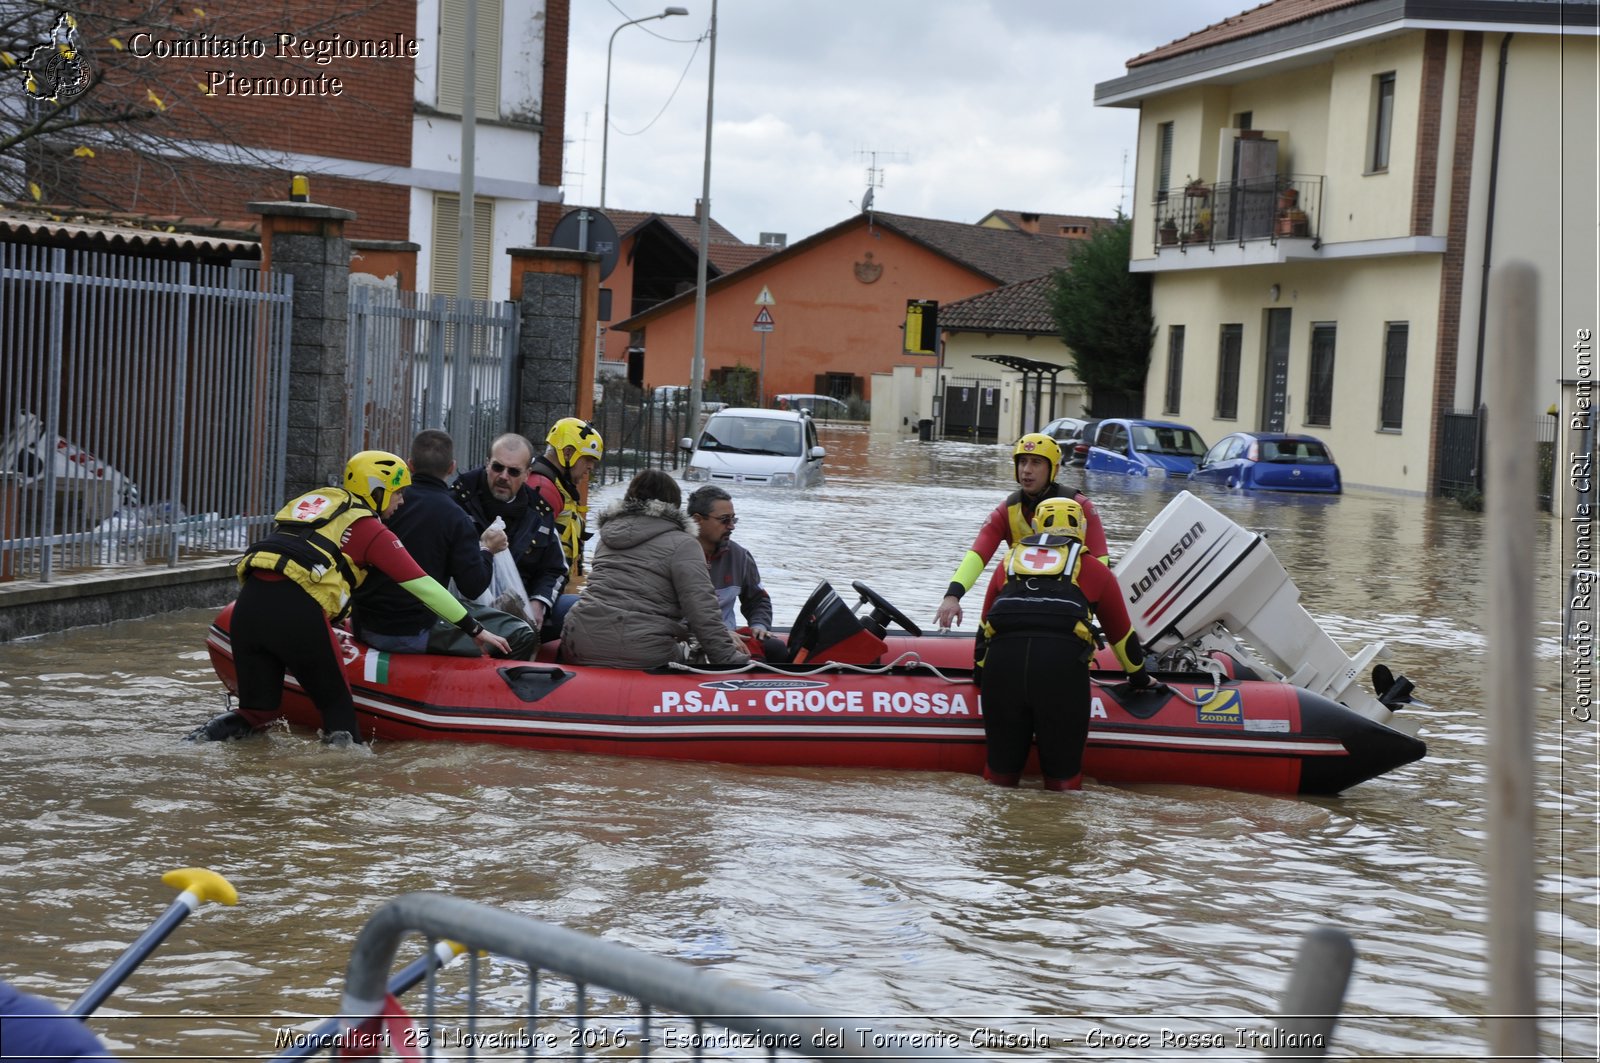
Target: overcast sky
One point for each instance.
(969, 105)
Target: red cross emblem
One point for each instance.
(1029, 445)
(310, 507)
(1039, 557)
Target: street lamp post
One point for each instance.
(605, 130)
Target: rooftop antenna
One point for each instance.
(1122, 195)
(583, 158)
(875, 168)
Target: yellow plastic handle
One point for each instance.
(205, 885)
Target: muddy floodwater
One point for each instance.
(1121, 913)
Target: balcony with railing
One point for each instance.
(1198, 215)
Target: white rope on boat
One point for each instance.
(908, 660)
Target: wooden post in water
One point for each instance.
(1512, 513)
(1315, 995)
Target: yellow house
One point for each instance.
(1322, 189)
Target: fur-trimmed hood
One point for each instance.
(625, 524)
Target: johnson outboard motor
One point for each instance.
(1198, 581)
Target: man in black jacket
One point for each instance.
(500, 489)
(441, 539)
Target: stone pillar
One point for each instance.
(557, 292)
(307, 241)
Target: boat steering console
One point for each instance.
(882, 612)
(827, 629)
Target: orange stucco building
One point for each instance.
(838, 302)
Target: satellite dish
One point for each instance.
(587, 229)
(866, 200)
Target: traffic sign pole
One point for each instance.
(763, 324)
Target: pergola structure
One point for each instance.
(1037, 371)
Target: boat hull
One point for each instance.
(1243, 735)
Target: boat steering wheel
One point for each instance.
(882, 611)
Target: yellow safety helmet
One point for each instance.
(373, 474)
(1060, 516)
(581, 436)
(1043, 446)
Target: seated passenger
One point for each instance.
(440, 537)
(648, 588)
(499, 488)
(734, 575)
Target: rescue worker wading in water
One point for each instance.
(1035, 645)
(1036, 460)
(561, 477)
(297, 580)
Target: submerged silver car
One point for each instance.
(747, 446)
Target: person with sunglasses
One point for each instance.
(441, 538)
(734, 574)
(499, 488)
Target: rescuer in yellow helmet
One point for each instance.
(1035, 645)
(299, 578)
(1036, 460)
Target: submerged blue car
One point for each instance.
(1143, 448)
(1271, 461)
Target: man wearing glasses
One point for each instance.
(500, 489)
(734, 575)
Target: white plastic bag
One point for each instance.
(505, 580)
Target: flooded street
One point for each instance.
(931, 899)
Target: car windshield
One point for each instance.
(1157, 440)
(751, 435)
(1295, 452)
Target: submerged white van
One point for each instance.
(747, 446)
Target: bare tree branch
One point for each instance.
(149, 115)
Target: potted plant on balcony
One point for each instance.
(1196, 189)
(1169, 232)
(1287, 198)
(1293, 223)
(1202, 226)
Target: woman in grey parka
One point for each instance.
(648, 589)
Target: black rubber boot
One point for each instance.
(228, 726)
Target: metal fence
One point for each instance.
(571, 996)
(405, 373)
(642, 428)
(582, 997)
(142, 408)
(1461, 441)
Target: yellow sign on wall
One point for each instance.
(922, 326)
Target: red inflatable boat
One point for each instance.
(861, 697)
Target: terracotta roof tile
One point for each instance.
(1023, 307)
(1267, 16)
(1004, 255)
(726, 252)
(1051, 224)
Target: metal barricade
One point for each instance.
(648, 1007)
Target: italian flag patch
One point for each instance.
(375, 668)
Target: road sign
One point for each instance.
(765, 298)
(586, 229)
(763, 321)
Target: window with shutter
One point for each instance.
(447, 245)
(452, 56)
